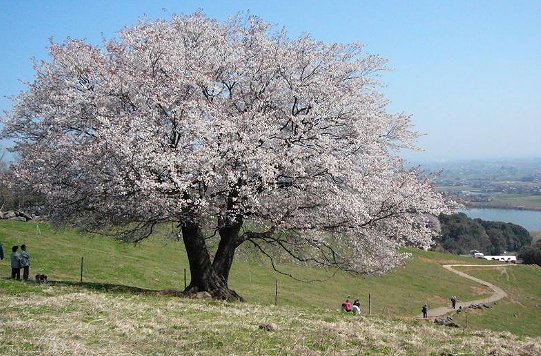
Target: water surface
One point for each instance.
(529, 219)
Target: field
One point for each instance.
(119, 308)
(512, 201)
(536, 235)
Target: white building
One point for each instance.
(504, 258)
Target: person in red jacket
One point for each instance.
(347, 306)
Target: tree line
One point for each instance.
(461, 234)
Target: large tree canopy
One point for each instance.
(230, 131)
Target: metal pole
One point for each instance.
(184, 278)
(82, 260)
(276, 293)
(369, 304)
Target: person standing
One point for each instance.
(453, 301)
(425, 311)
(25, 262)
(15, 264)
(1, 252)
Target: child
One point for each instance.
(15, 264)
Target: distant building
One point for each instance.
(505, 258)
(512, 259)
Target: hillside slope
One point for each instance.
(158, 264)
(67, 320)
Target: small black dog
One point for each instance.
(41, 278)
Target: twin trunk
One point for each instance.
(210, 276)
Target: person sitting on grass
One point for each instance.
(347, 306)
(356, 307)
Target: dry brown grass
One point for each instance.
(63, 320)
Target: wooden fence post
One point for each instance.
(184, 278)
(82, 260)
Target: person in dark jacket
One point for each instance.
(25, 262)
(356, 307)
(15, 263)
(425, 311)
(1, 252)
(453, 302)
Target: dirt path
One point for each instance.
(498, 292)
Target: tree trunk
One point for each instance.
(226, 249)
(203, 276)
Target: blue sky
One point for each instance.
(468, 71)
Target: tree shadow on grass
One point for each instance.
(117, 288)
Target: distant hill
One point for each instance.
(461, 234)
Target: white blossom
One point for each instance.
(194, 119)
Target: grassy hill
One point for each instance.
(70, 320)
(520, 312)
(130, 273)
(159, 264)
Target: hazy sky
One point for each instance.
(468, 71)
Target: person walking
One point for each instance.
(453, 301)
(25, 262)
(15, 264)
(425, 311)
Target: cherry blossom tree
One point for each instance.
(229, 132)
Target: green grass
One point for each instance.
(153, 264)
(520, 312)
(158, 264)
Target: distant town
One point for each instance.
(510, 184)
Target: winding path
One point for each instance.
(497, 295)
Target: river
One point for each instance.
(529, 219)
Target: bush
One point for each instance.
(532, 254)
